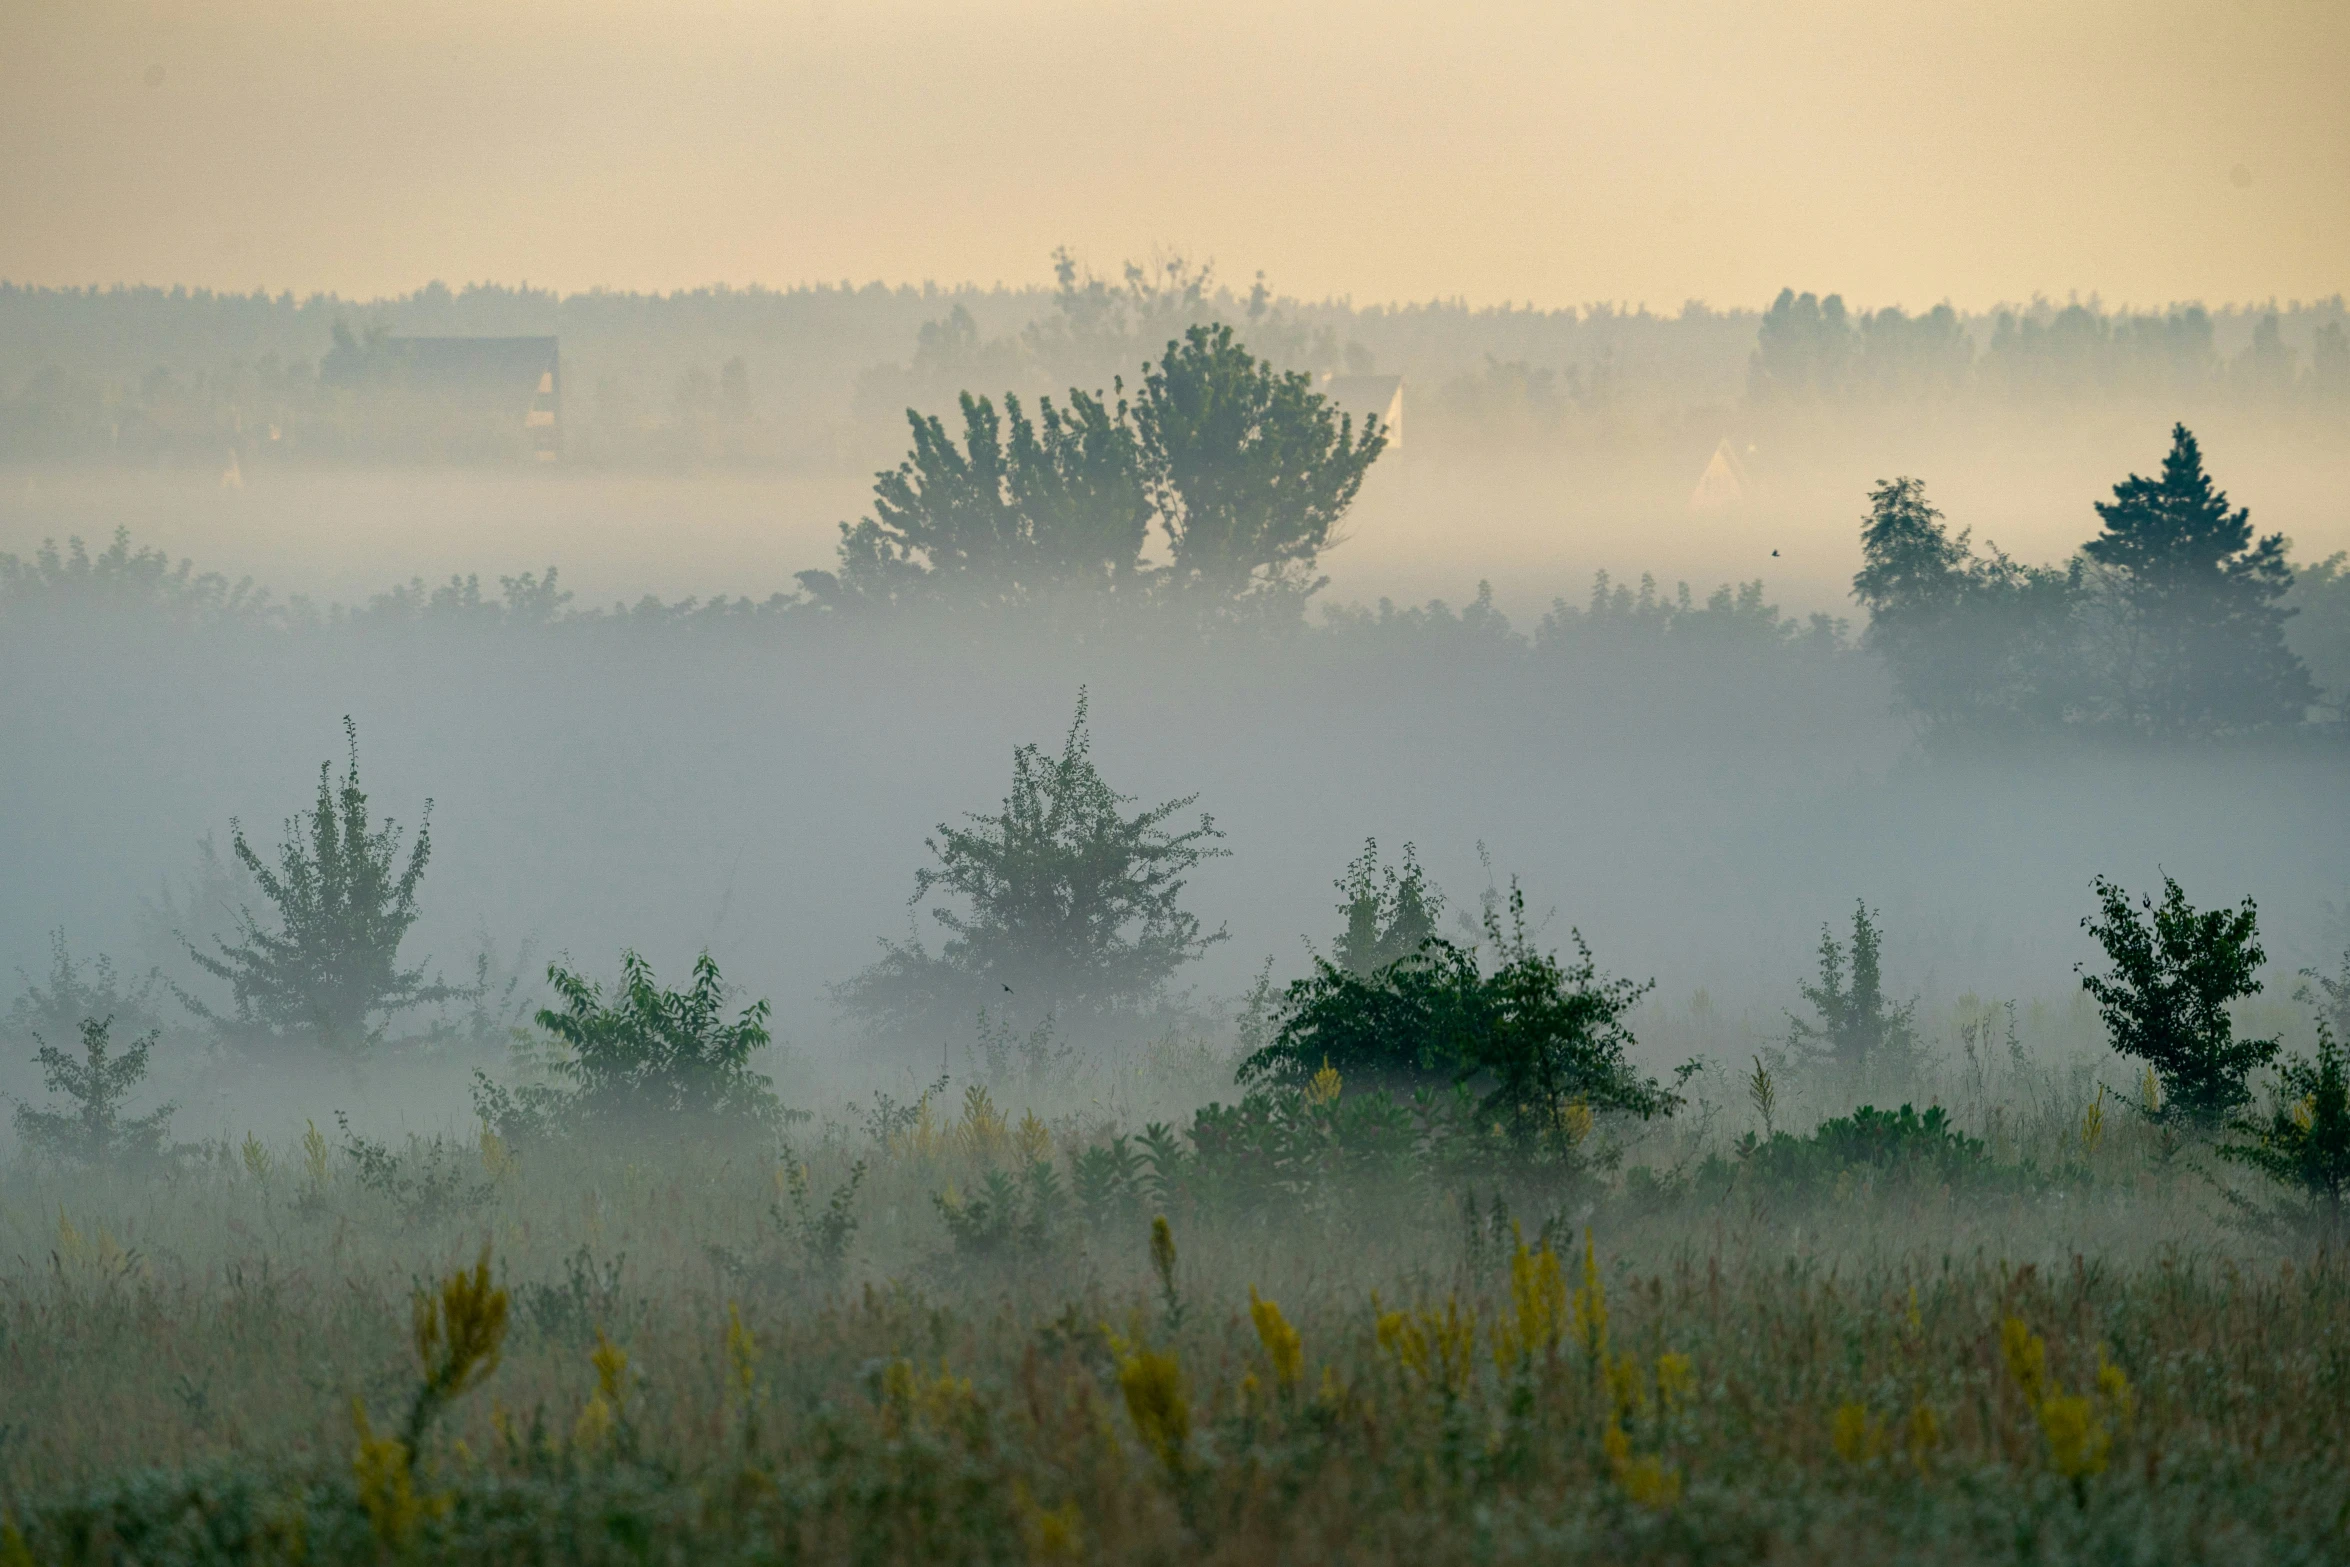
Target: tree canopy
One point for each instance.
(1244, 470)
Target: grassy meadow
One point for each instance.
(982, 1324)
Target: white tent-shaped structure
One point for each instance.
(1724, 484)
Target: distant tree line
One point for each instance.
(803, 376)
(2169, 623)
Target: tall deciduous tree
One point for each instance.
(1245, 470)
(2198, 641)
(1252, 468)
(327, 969)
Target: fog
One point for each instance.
(925, 782)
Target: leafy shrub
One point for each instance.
(429, 1180)
(95, 1131)
(646, 1053)
(329, 973)
(1857, 1029)
(1901, 1144)
(1007, 1219)
(1061, 899)
(2304, 1144)
(1543, 1041)
(2166, 999)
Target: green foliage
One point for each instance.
(426, 1181)
(1007, 1220)
(96, 1130)
(1061, 899)
(1899, 1144)
(2205, 648)
(2165, 1000)
(1857, 1029)
(643, 1054)
(1390, 912)
(1059, 502)
(1246, 470)
(78, 990)
(1251, 469)
(1536, 1037)
(1972, 641)
(821, 1233)
(2304, 1143)
(329, 973)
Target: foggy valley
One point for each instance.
(1264, 903)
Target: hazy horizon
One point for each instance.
(1695, 151)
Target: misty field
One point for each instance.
(690, 1350)
(566, 1141)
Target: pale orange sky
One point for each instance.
(1900, 152)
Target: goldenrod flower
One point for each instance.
(2027, 1358)
(387, 1488)
(1325, 1086)
(1858, 1436)
(2077, 1440)
(611, 1363)
(2114, 1386)
(742, 1351)
(1283, 1348)
(1032, 1143)
(1153, 1385)
(1676, 1381)
(1590, 1308)
(594, 1427)
(314, 1153)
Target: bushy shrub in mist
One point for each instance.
(1856, 1031)
(2165, 999)
(1062, 899)
(327, 971)
(1542, 1042)
(97, 1129)
(641, 1055)
(2303, 1144)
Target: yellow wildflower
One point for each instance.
(2027, 1358)
(1153, 1385)
(257, 1158)
(1676, 1381)
(387, 1489)
(1590, 1307)
(1283, 1348)
(742, 1351)
(594, 1426)
(611, 1363)
(2077, 1440)
(1858, 1436)
(1032, 1143)
(2114, 1386)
